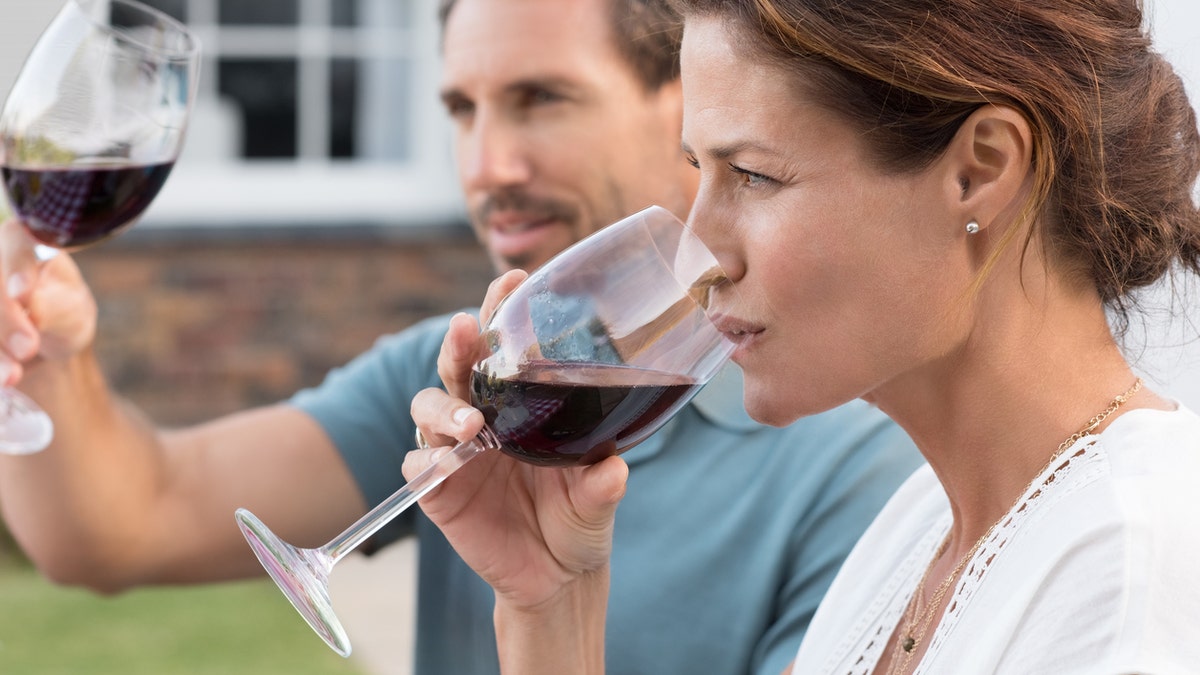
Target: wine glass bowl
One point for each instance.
(89, 133)
(588, 362)
(589, 356)
(96, 119)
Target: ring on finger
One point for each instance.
(421, 442)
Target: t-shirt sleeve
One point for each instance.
(364, 408)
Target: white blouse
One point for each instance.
(1095, 571)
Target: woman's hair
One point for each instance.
(1116, 149)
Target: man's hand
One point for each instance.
(46, 309)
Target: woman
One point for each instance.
(929, 205)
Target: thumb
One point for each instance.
(601, 488)
(18, 259)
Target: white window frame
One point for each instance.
(314, 189)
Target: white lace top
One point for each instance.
(1096, 570)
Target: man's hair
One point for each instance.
(647, 34)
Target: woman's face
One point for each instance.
(848, 277)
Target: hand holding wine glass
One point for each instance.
(533, 530)
(88, 135)
(585, 359)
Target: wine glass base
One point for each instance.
(303, 576)
(24, 428)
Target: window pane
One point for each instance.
(259, 12)
(384, 14)
(344, 13)
(343, 109)
(175, 8)
(384, 116)
(265, 92)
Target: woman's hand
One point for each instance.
(528, 531)
(46, 309)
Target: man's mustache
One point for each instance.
(523, 202)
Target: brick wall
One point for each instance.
(195, 324)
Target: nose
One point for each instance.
(717, 226)
(493, 154)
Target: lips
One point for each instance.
(737, 331)
(513, 223)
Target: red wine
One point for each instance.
(69, 208)
(562, 414)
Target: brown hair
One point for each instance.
(646, 32)
(1116, 148)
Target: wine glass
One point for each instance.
(88, 134)
(587, 357)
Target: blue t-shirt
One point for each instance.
(727, 538)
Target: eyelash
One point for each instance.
(751, 178)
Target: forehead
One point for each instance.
(736, 103)
(498, 42)
(723, 83)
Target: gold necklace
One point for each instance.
(915, 631)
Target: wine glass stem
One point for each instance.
(406, 496)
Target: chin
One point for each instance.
(766, 409)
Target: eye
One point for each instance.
(750, 178)
(538, 96)
(458, 107)
(691, 159)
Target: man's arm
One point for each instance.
(115, 502)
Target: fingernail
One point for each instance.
(461, 415)
(16, 285)
(20, 345)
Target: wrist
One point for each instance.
(564, 634)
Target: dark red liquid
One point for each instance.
(556, 414)
(69, 208)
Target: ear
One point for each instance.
(990, 160)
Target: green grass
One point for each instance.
(245, 627)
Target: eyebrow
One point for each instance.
(553, 82)
(722, 152)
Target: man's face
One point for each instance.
(555, 136)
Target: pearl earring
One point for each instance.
(972, 227)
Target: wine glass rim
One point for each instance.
(191, 44)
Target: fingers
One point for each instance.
(498, 290)
(460, 348)
(416, 461)
(444, 419)
(463, 347)
(19, 272)
(18, 262)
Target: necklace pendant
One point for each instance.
(908, 644)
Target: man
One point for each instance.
(567, 117)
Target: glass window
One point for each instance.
(303, 98)
(259, 12)
(343, 113)
(344, 13)
(175, 8)
(265, 92)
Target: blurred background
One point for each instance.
(314, 209)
